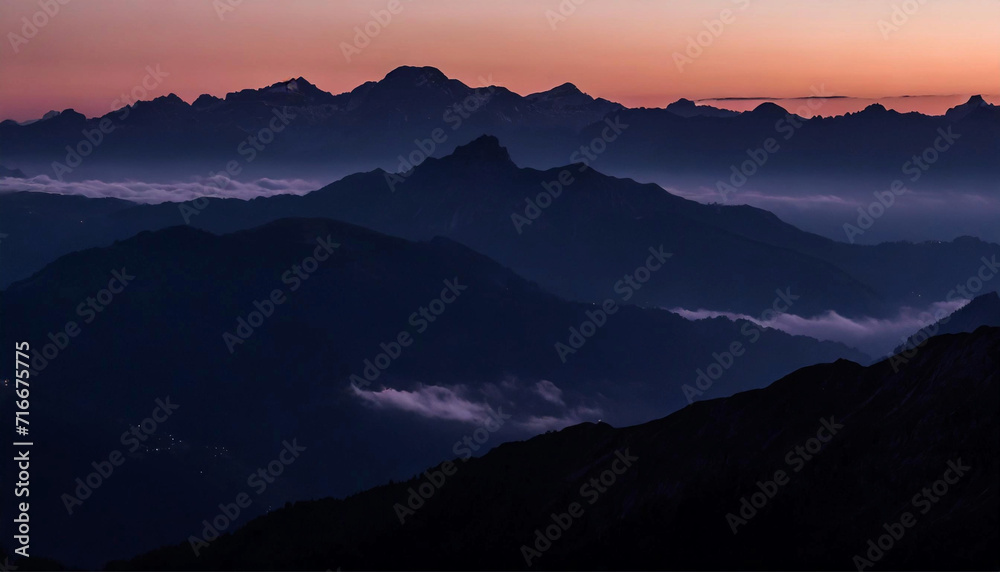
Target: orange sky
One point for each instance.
(91, 51)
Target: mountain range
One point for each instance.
(305, 368)
(381, 122)
(532, 304)
(569, 228)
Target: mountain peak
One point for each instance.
(292, 91)
(769, 108)
(66, 116)
(295, 85)
(483, 148)
(562, 96)
(205, 100)
(171, 98)
(959, 111)
(987, 300)
(565, 88)
(686, 108)
(415, 74)
(682, 103)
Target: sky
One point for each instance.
(637, 52)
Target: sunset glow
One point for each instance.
(89, 53)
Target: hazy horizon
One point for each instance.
(746, 49)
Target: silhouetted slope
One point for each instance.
(893, 435)
(982, 311)
(163, 336)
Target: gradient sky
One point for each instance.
(92, 51)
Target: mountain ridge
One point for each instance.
(538, 476)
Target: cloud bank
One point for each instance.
(874, 336)
(152, 193)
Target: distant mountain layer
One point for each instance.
(15, 173)
(982, 311)
(827, 468)
(294, 129)
(192, 316)
(576, 232)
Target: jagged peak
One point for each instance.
(483, 148)
(205, 100)
(67, 115)
(974, 102)
(296, 87)
(169, 98)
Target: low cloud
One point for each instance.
(542, 404)
(431, 401)
(549, 392)
(152, 193)
(875, 336)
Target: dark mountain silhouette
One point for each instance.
(6, 172)
(370, 126)
(975, 103)
(890, 436)
(377, 123)
(578, 246)
(870, 145)
(688, 108)
(163, 335)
